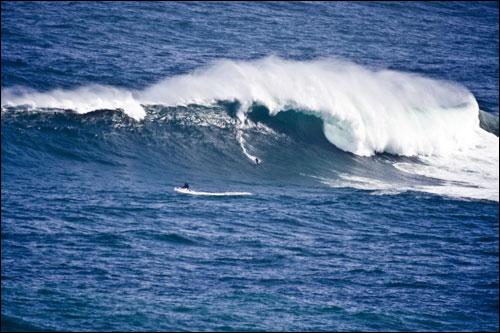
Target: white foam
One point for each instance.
(468, 173)
(363, 183)
(216, 194)
(82, 100)
(241, 125)
(472, 173)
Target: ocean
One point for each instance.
(373, 205)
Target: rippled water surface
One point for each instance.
(106, 107)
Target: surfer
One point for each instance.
(186, 186)
(257, 161)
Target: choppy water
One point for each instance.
(374, 207)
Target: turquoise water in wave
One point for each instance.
(368, 211)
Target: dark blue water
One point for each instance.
(94, 237)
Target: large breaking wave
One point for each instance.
(362, 111)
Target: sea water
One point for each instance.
(374, 205)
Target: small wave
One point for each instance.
(173, 238)
(12, 324)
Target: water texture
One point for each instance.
(373, 205)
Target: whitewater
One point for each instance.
(364, 111)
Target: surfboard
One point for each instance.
(220, 194)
